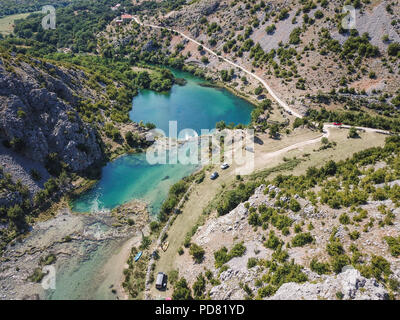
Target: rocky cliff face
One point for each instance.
(38, 118)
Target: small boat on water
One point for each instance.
(137, 257)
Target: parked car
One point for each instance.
(161, 281)
(224, 166)
(337, 123)
(214, 176)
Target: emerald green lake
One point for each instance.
(132, 177)
(193, 106)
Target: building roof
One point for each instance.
(126, 16)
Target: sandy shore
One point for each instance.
(114, 268)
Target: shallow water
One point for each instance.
(132, 177)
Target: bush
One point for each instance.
(232, 198)
(294, 37)
(294, 205)
(319, 267)
(154, 226)
(334, 248)
(182, 291)
(339, 261)
(199, 287)
(266, 291)
(394, 245)
(222, 256)
(197, 253)
(354, 235)
(258, 90)
(270, 29)
(238, 250)
(36, 175)
(344, 218)
(378, 268)
(302, 239)
(251, 262)
(353, 133)
(37, 276)
(173, 276)
(394, 49)
(273, 241)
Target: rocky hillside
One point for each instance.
(43, 138)
(332, 233)
(40, 129)
(300, 48)
(38, 114)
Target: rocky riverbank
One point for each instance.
(69, 243)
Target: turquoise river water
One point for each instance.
(132, 177)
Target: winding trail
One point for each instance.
(326, 132)
(283, 104)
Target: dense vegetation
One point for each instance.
(9, 7)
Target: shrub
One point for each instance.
(344, 218)
(294, 37)
(302, 239)
(50, 259)
(354, 235)
(154, 226)
(353, 133)
(199, 286)
(334, 248)
(294, 205)
(36, 175)
(318, 14)
(146, 241)
(394, 49)
(173, 276)
(197, 253)
(266, 291)
(258, 90)
(37, 275)
(270, 29)
(221, 257)
(238, 250)
(273, 241)
(339, 261)
(252, 262)
(394, 245)
(378, 268)
(319, 267)
(182, 291)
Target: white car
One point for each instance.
(224, 166)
